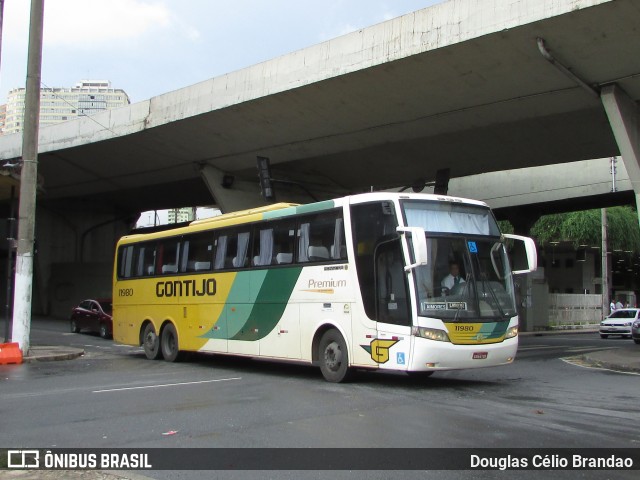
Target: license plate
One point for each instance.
(480, 355)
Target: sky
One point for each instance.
(150, 47)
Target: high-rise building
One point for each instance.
(179, 215)
(3, 117)
(60, 104)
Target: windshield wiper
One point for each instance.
(463, 296)
(493, 295)
(485, 284)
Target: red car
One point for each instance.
(93, 315)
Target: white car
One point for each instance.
(619, 322)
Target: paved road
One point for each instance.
(114, 397)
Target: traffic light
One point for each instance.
(442, 181)
(266, 183)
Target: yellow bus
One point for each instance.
(360, 282)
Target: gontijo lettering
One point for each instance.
(186, 288)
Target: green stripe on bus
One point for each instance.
(310, 208)
(270, 304)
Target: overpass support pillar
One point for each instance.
(523, 222)
(526, 288)
(625, 122)
(230, 194)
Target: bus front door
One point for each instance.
(391, 348)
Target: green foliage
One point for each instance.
(505, 226)
(624, 232)
(548, 229)
(584, 228)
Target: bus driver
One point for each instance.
(452, 279)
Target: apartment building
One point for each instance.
(61, 104)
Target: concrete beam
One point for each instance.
(623, 117)
(229, 193)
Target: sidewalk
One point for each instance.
(621, 359)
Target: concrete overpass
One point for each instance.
(460, 85)
(470, 86)
(523, 195)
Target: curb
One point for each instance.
(52, 354)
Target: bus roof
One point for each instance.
(280, 210)
(244, 213)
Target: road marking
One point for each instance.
(166, 385)
(541, 347)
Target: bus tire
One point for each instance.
(151, 343)
(333, 357)
(169, 343)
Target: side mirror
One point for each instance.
(418, 244)
(530, 248)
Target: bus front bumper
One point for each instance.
(434, 355)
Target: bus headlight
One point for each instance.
(512, 332)
(431, 334)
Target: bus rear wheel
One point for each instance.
(151, 343)
(333, 357)
(169, 343)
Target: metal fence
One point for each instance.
(571, 311)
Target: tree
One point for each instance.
(583, 228)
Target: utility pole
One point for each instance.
(28, 183)
(605, 263)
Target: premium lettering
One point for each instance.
(186, 288)
(326, 283)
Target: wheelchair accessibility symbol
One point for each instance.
(400, 358)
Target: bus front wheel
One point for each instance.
(333, 357)
(169, 343)
(151, 343)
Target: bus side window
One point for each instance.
(169, 259)
(284, 239)
(126, 260)
(221, 252)
(321, 238)
(339, 246)
(242, 258)
(144, 259)
(262, 247)
(200, 252)
(237, 250)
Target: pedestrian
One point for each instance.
(612, 306)
(619, 305)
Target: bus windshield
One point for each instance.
(468, 276)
